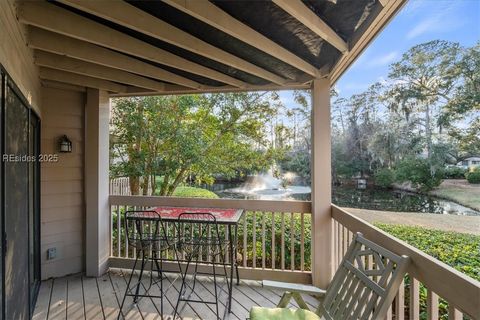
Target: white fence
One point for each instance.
(120, 186)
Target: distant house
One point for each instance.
(469, 162)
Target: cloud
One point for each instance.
(414, 6)
(423, 27)
(442, 18)
(383, 60)
(360, 60)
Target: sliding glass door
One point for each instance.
(20, 130)
(34, 208)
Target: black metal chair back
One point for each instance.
(145, 230)
(199, 240)
(199, 235)
(147, 235)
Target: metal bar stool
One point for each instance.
(199, 237)
(145, 234)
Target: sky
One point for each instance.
(419, 21)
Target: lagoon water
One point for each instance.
(266, 187)
(394, 200)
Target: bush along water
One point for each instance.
(420, 173)
(473, 176)
(384, 178)
(455, 173)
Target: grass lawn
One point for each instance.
(186, 191)
(192, 192)
(464, 194)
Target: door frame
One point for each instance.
(7, 81)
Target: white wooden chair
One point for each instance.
(363, 287)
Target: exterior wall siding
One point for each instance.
(61, 109)
(62, 189)
(16, 57)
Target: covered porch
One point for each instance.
(77, 55)
(80, 297)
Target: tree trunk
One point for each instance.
(134, 185)
(153, 184)
(164, 188)
(428, 131)
(177, 181)
(145, 185)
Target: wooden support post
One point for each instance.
(96, 182)
(322, 266)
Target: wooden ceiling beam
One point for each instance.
(298, 10)
(80, 80)
(50, 17)
(55, 61)
(211, 89)
(56, 43)
(384, 2)
(207, 12)
(364, 36)
(131, 17)
(62, 86)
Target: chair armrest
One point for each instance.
(294, 287)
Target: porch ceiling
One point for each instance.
(183, 46)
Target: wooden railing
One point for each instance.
(273, 241)
(431, 290)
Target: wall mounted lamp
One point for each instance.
(64, 144)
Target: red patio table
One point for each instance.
(229, 217)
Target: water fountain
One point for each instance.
(266, 186)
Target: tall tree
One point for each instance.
(461, 115)
(424, 80)
(167, 138)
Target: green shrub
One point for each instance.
(473, 176)
(192, 192)
(384, 178)
(458, 250)
(419, 172)
(272, 223)
(454, 173)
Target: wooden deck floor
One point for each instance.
(80, 297)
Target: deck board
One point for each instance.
(148, 306)
(75, 308)
(130, 310)
(43, 301)
(93, 305)
(58, 301)
(108, 298)
(189, 309)
(78, 297)
(237, 311)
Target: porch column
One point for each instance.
(96, 181)
(321, 184)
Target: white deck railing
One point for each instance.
(273, 238)
(274, 243)
(444, 289)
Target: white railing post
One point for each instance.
(322, 269)
(97, 182)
